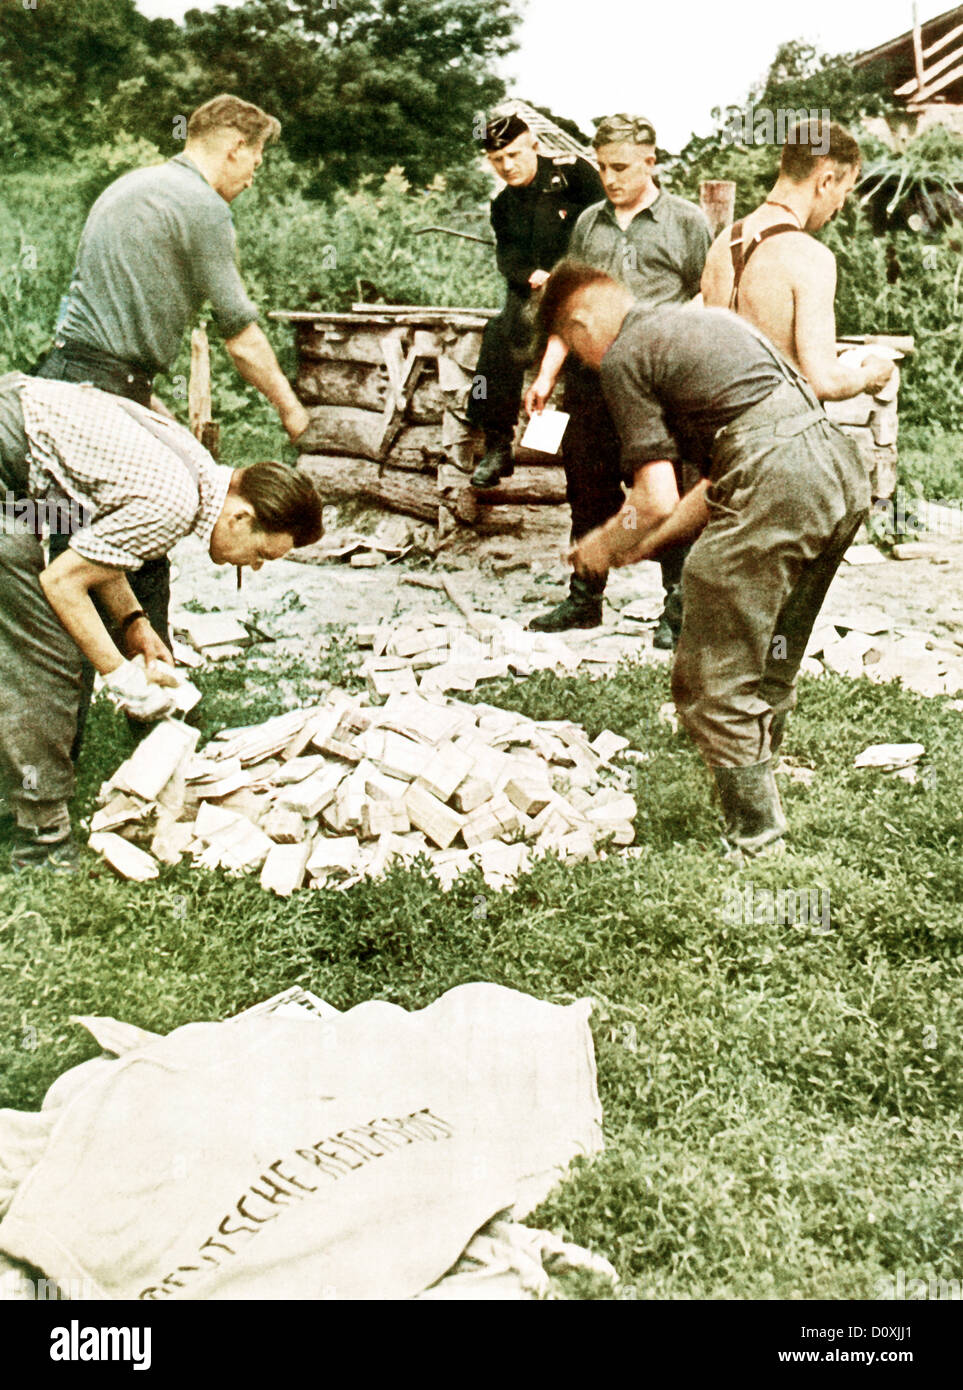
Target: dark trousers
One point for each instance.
(152, 582)
(591, 454)
(500, 372)
(788, 493)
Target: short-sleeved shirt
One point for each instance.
(533, 224)
(157, 244)
(659, 256)
(136, 493)
(675, 375)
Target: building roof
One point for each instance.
(923, 65)
(552, 138)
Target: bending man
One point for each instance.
(136, 483)
(782, 494)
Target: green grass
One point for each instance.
(931, 462)
(781, 1107)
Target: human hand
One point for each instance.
(138, 693)
(878, 372)
(536, 397)
(590, 556)
(295, 420)
(141, 640)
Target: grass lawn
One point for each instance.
(782, 1104)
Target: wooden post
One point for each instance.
(199, 399)
(918, 49)
(717, 199)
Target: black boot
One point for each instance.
(582, 608)
(670, 620)
(751, 809)
(776, 730)
(496, 463)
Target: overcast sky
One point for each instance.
(672, 62)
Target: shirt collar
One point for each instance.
(213, 484)
(656, 210)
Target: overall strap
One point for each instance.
(741, 251)
(163, 435)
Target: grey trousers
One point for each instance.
(788, 493)
(39, 663)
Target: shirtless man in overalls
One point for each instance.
(782, 280)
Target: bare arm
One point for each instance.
(544, 384)
(683, 524)
(717, 275)
(649, 504)
(814, 293)
(255, 360)
(67, 583)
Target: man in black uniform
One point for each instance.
(533, 218)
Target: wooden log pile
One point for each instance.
(386, 388)
(334, 793)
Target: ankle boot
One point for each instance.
(582, 608)
(750, 808)
(496, 463)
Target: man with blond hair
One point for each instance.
(655, 244)
(157, 244)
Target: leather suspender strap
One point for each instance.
(740, 251)
(146, 421)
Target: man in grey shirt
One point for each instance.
(655, 244)
(782, 494)
(158, 243)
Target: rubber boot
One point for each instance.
(751, 809)
(582, 608)
(496, 463)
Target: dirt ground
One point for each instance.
(294, 601)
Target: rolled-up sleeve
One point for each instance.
(637, 415)
(217, 278)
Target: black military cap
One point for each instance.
(502, 130)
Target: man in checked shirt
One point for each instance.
(139, 483)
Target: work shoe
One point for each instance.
(669, 626)
(582, 608)
(44, 849)
(754, 822)
(495, 464)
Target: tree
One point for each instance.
(361, 85)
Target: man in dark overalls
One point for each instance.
(157, 243)
(533, 217)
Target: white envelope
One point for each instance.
(544, 432)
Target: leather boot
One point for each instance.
(669, 626)
(496, 463)
(751, 809)
(582, 608)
